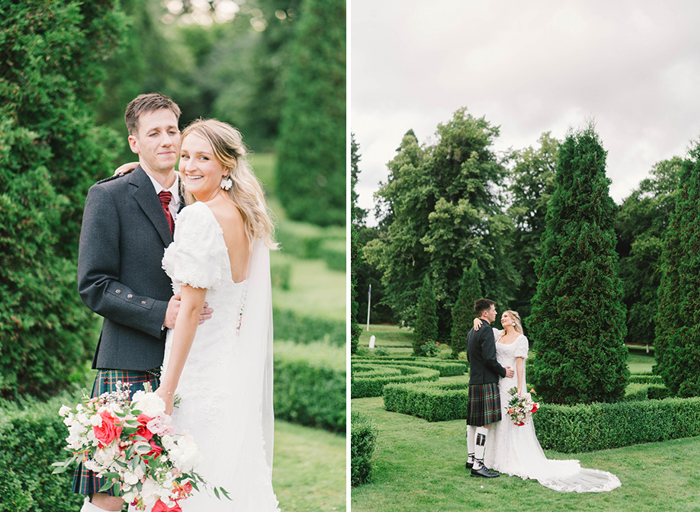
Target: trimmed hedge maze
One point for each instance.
(645, 415)
(369, 376)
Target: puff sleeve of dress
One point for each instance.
(198, 254)
(521, 347)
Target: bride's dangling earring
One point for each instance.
(226, 183)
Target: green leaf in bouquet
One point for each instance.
(216, 492)
(62, 466)
(225, 493)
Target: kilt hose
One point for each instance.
(85, 481)
(483, 404)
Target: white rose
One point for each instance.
(130, 478)
(148, 403)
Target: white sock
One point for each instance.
(471, 442)
(481, 433)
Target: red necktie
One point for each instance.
(165, 197)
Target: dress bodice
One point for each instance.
(506, 354)
(198, 257)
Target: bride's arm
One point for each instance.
(186, 323)
(519, 367)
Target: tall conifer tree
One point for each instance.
(578, 318)
(427, 321)
(677, 344)
(463, 312)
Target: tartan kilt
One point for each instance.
(84, 480)
(483, 404)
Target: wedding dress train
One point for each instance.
(515, 450)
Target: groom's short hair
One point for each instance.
(482, 305)
(147, 103)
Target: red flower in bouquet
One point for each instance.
(162, 507)
(108, 429)
(143, 430)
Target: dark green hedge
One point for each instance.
(363, 444)
(432, 401)
(310, 385)
(333, 252)
(303, 329)
(32, 436)
(372, 385)
(598, 426)
(446, 369)
(646, 379)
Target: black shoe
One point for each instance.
(484, 472)
(469, 465)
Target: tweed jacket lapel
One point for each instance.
(146, 197)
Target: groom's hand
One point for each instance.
(509, 372)
(174, 308)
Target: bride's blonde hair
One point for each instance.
(517, 323)
(246, 192)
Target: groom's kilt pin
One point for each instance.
(483, 404)
(85, 481)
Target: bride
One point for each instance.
(222, 370)
(515, 450)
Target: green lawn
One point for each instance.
(309, 468)
(420, 467)
(386, 336)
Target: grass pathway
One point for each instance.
(309, 469)
(420, 467)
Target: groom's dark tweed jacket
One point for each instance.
(120, 277)
(484, 368)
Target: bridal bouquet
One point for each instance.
(521, 407)
(132, 444)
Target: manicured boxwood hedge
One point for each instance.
(583, 428)
(310, 385)
(373, 384)
(302, 329)
(643, 378)
(32, 436)
(446, 368)
(433, 401)
(363, 444)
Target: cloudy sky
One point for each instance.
(528, 67)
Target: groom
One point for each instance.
(484, 400)
(128, 222)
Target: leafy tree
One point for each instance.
(311, 167)
(641, 226)
(531, 188)
(677, 328)
(578, 318)
(51, 61)
(463, 311)
(444, 210)
(426, 329)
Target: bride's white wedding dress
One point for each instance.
(516, 451)
(226, 385)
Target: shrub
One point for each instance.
(280, 274)
(373, 384)
(311, 169)
(32, 437)
(578, 318)
(291, 326)
(431, 401)
(446, 368)
(333, 253)
(53, 60)
(305, 240)
(363, 443)
(598, 426)
(426, 328)
(463, 310)
(310, 385)
(646, 379)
